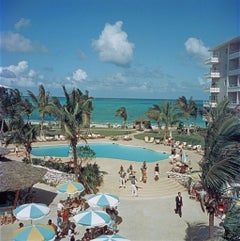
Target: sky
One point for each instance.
(151, 49)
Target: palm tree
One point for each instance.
(164, 114)
(71, 117)
(221, 160)
(188, 108)
(41, 103)
(155, 113)
(88, 108)
(4, 104)
(25, 134)
(232, 224)
(122, 112)
(169, 116)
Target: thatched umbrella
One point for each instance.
(15, 175)
(140, 121)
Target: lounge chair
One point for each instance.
(151, 140)
(146, 138)
(157, 141)
(127, 138)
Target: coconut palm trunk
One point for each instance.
(73, 144)
(211, 225)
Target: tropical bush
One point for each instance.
(92, 176)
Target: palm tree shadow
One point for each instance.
(200, 232)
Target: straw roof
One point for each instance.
(140, 120)
(3, 151)
(15, 175)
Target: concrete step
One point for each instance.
(152, 189)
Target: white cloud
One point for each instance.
(113, 45)
(79, 75)
(19, 75)
(20, 68)
(195, 47)
(22, 23)
(15, 42)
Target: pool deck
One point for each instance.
(150, 216)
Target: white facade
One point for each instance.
(225, 73)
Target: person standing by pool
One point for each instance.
(122, 175)
(134, 187)
(130, 172)
(144, 172)
(156, 172)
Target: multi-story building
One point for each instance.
(225, 73)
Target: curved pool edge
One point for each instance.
(132, 145)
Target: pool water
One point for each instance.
(105, 150)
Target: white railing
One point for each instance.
(212, 60)
(214, 90)
(214, 74)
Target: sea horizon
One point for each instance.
(104, 110)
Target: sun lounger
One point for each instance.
(157, 141)
(151, 140)
(127, 138)
(146, 138)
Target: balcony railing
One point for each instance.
(234, 72)
(212, 60)
(213, 74)
(213, 104)
(214, 90)
(209, 104)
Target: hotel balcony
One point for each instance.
(213, 75)
(214, 90)
(233, 104)
(212, 104)
(233, 88)
(234, 55)
(234, 72)
(212, 60)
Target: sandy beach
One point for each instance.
(150, 216)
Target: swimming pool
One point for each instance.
(105, 150)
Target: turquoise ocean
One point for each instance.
(104, 110)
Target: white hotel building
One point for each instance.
(224, 73)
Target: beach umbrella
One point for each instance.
(37, 232)
(115, 237)
(103, 200)
(196, 176)
(184, 157)
(70, 187)
(31, 211)
(92, 218)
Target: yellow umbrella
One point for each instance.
(196, 175)
(70, 187)
(38, 232)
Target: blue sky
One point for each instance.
(113, 48)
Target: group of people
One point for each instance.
(129, 175)
(65, 208)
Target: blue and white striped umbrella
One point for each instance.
(92, 218)
(103, 200)
(37, 232)
(31, 211)
(115, 237)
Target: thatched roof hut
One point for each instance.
(3, 151)
(15, 175)
(140, 121)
